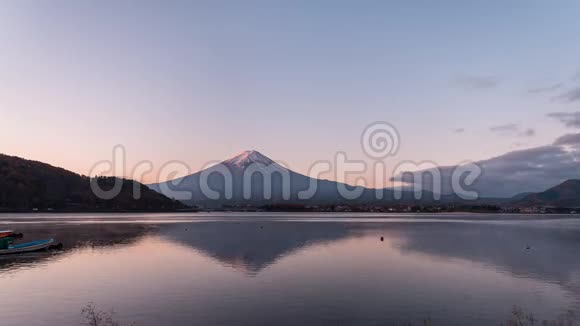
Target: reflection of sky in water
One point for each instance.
(266, 271)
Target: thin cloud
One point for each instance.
(546, 89)
(528, 133)
(507, 128)
(568, 140)
(459, 130)
(571, 95)
(569, 119)
(478, 82)
(512, 129)
(533, 169)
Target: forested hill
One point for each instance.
(26, 185)
(566, 194)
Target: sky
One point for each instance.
(199, 81)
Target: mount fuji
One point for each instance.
(245, 158)
(252, 179)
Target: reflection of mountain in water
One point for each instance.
(253, 245)
(529, 249)
(72, 236)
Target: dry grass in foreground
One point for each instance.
(95, 317)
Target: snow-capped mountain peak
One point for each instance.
(246, 158)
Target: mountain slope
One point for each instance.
(25, 185)
(283, 186)
(566, 194)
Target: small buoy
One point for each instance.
(382, 238)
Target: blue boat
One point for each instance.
(27, 247)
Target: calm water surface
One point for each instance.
(292, 269)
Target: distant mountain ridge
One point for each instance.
(566, 194)
(27, 185)
(327, 192)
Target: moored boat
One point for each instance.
(6, 233)
(28, 247)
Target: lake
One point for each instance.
(292, 269)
